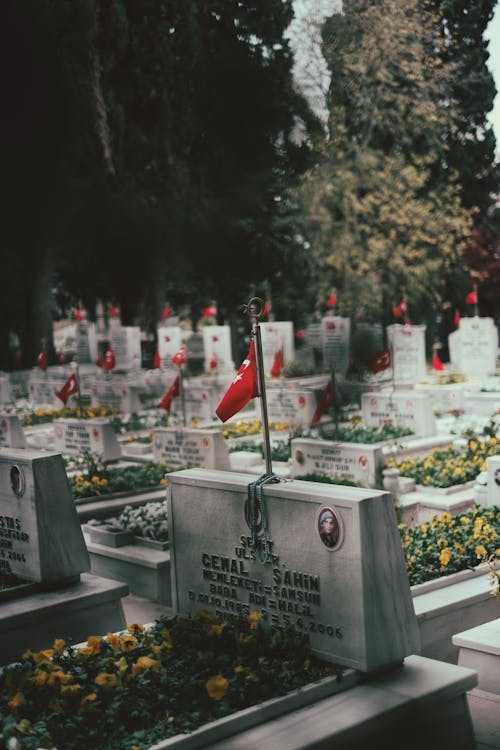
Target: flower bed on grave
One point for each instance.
(243, 428)
(96, 479)
(448, 544)
(42, 416)
(144, 524)
(355, 432)
(129, 690)
(448, 466)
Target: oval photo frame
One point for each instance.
(330, 528)
(17, 481)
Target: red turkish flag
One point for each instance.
(436, 362)
(109, 360)
(79, 316)
(173, 392)
(332, 300)
(62, 358)
(243, 388)
(267, 308)
(381, 361)
(326, 400)
(42, 361)
(210, 311)
(456, 318)
(69, 388)
(157, 360)
(278, 364)
(180, 356)
(400, 309)
(166, 312)
(113, 312)
(471, 298)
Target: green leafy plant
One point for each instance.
(109, 479)
(357, 433)
(448, 544)
(131, 689)
(41, 416)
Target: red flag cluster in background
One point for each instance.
(325, 402)
(278, 363)
(381, 361)
(69, 388)
(180, 356)
(243, 388)
(173, 392)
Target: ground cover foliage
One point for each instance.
(126, 691)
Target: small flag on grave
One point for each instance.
(381, 361)
(166, 312)
(109, 360)
(278, 364)
(456, 318)
(436, 362)
(173, 392)
(243, 388)
(42, 360)
(471, 298)
(210, 311)
(326, 401)
(180, 356)
(332, 300)
(157, 360)
(69, 388)
(399, 310)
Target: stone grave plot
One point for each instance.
(474, 347)
(6, 394)
(289, 405)
(72, 436)
(408, 409)
(182, 447)
(217, 349)
(42, 388)
(43, 549)
(335, 567)
(335, 338)
(355, 462)
(407, 345)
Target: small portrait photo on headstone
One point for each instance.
(257, 516)
(17, 480)
(328, 528)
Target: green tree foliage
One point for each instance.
(151, 142)
(382, 208)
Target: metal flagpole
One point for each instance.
(183, 400)
(78, 393)
(254, 309)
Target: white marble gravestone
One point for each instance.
(73, 436)
(217, 345)
(5, 389)
(348, 589)
(184, 447)
(357, 462)
(493, 469)
(169, 342)
(40, 535)
(447, 397)
(407, 344)
(126, 344)
(474, 346)
(275, 336)
(290, 405)
(11, 432)
(200, 402)
(409, 409)
(335, 337)
(42, 390)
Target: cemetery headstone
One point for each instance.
(169, 342)
(11, 432)
(355, 462)
(335, 337)
(185, 447)
(42, 391)
(296, 407)
(126, 344)
(40, 535)
(408, 353)
(277, 336)
(5, 389)
(408, 409)
(200, 402)
(445, 397)
(335, 569)
(474, 346)
(217, 349)
(72, 436)
(82, 339)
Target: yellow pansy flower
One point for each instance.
(216, 687)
